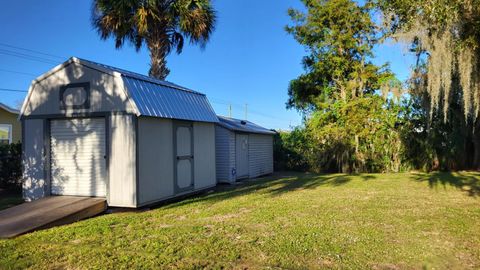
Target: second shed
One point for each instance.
(243, 150)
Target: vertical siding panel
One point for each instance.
(34, 178)
(122, 167)
(232, 155)
(155, 148)
(204, 155)
(223, 154)
(260, 155)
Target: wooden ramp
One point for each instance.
(48, 212)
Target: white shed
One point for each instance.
(243, 150)
(94, 130)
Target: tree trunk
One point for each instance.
(158, 45)
(476, 145)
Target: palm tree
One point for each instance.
(162, 25)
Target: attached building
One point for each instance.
(243, 150)
(10, 128)
(94, 130)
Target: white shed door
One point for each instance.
(241, 150)
(78, 164)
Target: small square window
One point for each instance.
(5, 133)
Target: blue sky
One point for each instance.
(250, 59)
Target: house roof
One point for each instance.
(153, 97)
(242, 126)
(9, 109)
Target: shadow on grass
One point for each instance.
(467, 182)
(275, 185)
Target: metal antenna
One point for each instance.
(230, 110)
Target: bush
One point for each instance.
(361, 135)
(11, 165)
(356, 136)
(289, 151)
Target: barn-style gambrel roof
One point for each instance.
(151, 97)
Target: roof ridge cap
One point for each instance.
(138, 76)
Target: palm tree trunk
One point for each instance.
(158, 47)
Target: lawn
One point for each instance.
(296, 221)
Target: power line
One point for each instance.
(17, 72)
(264, 114)
(225, 102)
(250, 111)
(27, 56)
(242, 107)
(51, 61)
(30, 50)
(13, 90)
(254, 112)
(45, 60)
(279, 120)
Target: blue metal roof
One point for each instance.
(242, 126)
(163, 99)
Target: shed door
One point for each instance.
(184, 157)
(78, 161)
(242, 155)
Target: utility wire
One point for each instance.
(257, 113)
(250, 111)
(51, 61)
(29, 50)
(13, 90)
(28, 57)
(242, 107)
(226, 102)
(17, 72)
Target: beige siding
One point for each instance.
(107, 92)
(204, 155)
(122, 190)
(9, 118)
(34, 185)
(260, 155)
(155, 145)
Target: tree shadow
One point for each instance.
(275, 185)
(466, 182)
(312, 181)
(107, 96)
(309, 181)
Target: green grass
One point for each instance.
(375, 221)
(8, 199)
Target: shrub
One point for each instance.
(11, 165)
(289, 150)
